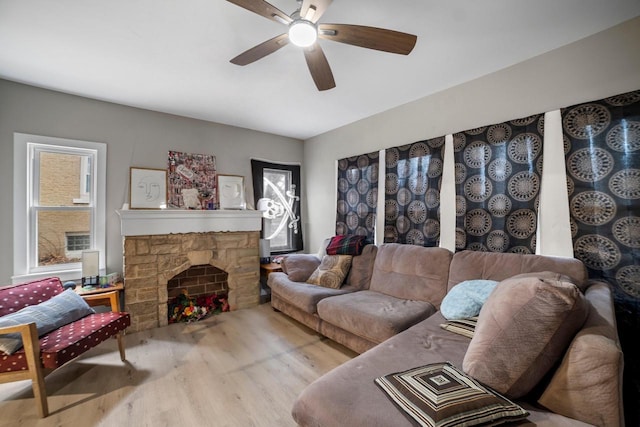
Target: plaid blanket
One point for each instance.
(346, 245)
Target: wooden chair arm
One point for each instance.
(25, 329)
(31, 345)
(30, 341)
(111, 299)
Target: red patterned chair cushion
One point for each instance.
(16, 297)
(70, 341)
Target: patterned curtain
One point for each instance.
(497, 176)
(357, 195)
(602, 146)
(412, 193)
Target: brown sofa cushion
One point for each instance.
(331, 271)
(523, 329)
(469, 265)
(372, 315)
(299, 267)
(362, 268)
(303, 296)
(591, 368)
(411, 272)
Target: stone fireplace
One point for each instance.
(198, 280)
(159, 245)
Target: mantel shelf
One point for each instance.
(143, 222)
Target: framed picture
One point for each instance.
(148, 188)
(189, 171)
(231, 191)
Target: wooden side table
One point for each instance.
(272, 267)
(265, 271)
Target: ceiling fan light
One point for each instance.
(303, 33)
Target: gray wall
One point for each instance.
(134, 137)
(598, 66)
(602, 65)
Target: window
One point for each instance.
(59, 199)
(85, 180)
(76, 243)
(276, 189)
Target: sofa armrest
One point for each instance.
(31, 344)
(28, 334)
(300, 266)
(27, 330)
(111, 299)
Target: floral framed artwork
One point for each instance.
(147, 188)
(189, 171)
(231, 192)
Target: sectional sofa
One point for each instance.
(388, 310)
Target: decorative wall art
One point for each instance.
(231, 192)
(191, 171)
(148, 188)
(357, 195)
(412, 193)
(276, 190)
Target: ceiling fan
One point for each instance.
(304, 31)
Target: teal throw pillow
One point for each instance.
(466, 298)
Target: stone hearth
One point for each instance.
(151, 260)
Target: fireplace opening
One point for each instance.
(196, 293)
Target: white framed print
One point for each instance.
(148, 188)
(231, 191)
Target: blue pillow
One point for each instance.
(466, 298)
(49, 315)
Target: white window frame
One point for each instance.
(24, 227)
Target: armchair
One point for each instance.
(40, 356)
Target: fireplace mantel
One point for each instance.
(145, 222)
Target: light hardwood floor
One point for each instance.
(243, 368)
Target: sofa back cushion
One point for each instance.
(17, 297)
(469, 265)
(411, 272)
(299, 267)
(523, 330)
(362, 268)
(588, 384)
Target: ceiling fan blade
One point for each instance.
(369, 37)
(319, 67)
(312, 10)
(263, 8)
(261, 50)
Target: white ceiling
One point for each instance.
(173, 55)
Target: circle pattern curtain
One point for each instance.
(412, 193)
(497, 178)
(602, 153)
(357, 195)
